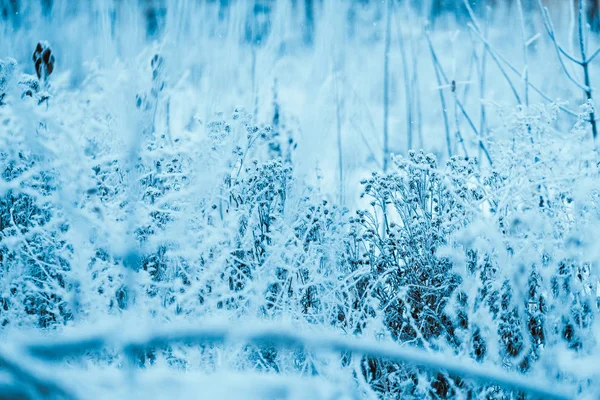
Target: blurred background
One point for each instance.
(333, 74)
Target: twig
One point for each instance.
(44, 386)
(497, 56)
(589, 60)
(482, 112)
(417, 94)
(586, 72)
(338, 120)
(551, 33)
(442, 99)
(494, 56)
(407, 87)
(525, 51)
(284, 337)
(584, 62)
(386, 84)
(458, 103)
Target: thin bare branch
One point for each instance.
(285, 337)
(497, 56)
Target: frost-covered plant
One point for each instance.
(528, 289)
(34, 254)
(415, 209)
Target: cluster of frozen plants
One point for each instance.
(150, 253)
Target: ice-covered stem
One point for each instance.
(482, 85)
(584, 61)
(416, 95)
(558, 48)
(477, 28)
(482, 71)
(286, 337)
(386, 84)
(525, 58)
(338, 120)
(586, 73)
(442, 101)
(444, 81)
(158, 84)
(497, 57)
(407, 88)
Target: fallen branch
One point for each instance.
(57, 349)
(20, 367)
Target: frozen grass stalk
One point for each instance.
(525, 51)
(442, 78)
(583, 61)
(585, 64)
(408, 82)
(338, 126)
(442, 99)
(386, 84)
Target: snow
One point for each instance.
(196, 200)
